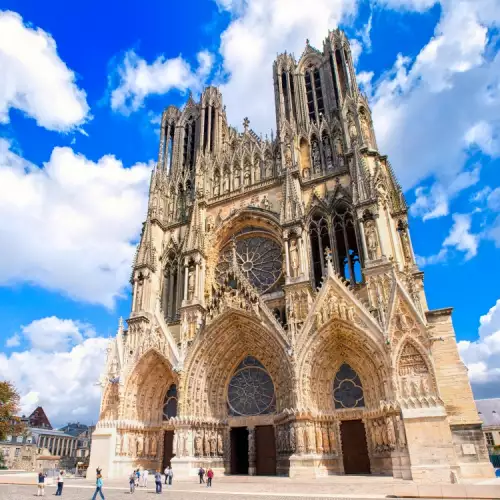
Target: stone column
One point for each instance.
(186, 277)
(197, 282)
(251, 451)
(287, 257)
(363, 240)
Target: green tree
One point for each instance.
(10, 423)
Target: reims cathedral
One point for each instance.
(279, 321)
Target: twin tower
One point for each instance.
(279, 322)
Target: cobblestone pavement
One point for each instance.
(75, 491)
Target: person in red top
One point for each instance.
(210, 475)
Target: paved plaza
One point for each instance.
(266, 488)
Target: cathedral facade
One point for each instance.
(279, 321)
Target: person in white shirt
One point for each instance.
(60, 483)
(145, 478)
(166, 474)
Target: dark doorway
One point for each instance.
(354, 448)
(168, 448)
(265, 448)
(239, 450)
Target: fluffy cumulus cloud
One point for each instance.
(72, 225)
(430, 112)
(135, 79)
(34, 78)
(482, 356)
(258, 31)
(59, 371)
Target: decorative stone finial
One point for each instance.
(328, 254)
(246, 122)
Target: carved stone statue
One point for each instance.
(391, 433)
(268, 168)
(246, 178)
(311, 438)
(139, 294)
(206, 443)
(294, 258)
(316, 158)
(225, 181)
(365, 127)
(328, 153)
(220, 444)
(401, 432)
(191, 283)
(288, 157)
(319, 439)
(265, 203)
(213, 444)
(154, 443)
(237, 178)
(405, 244)
(371, 240)
(198, 444)
(353, 131)
(299, 434)
(326, 443)
(292, 438)
(217, 185)
(331, 438)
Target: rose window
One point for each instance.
(259, 257)
(251, 390)
(347, 389)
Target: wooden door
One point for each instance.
(265, 450)
(239, 450)
(354, 447)
(168, 448)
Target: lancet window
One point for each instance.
(314, 94)
(189, 143)
(171, 289)
(335, 88)
(251, 390)
(170, 403)
(320, 241)
(347, 389)
(338, 233)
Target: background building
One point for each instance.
(24, 453)
(279, 321)
(489, 413)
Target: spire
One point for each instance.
(291, 206)
(146, 252)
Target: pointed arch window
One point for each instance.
(286, 96)
(320, 241)
(251, 390)
(310, 96)
(170, 146)
(347, 389)
(171, 291)
(170, 403)
(347, 254)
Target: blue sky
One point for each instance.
(81, 91)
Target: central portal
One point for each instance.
(239, 450)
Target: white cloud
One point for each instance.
(260, 29)
(494, 200)
(434, 202)
(138, 79)
(62, 381)
(35, 80)
(441, 256)
(70, 226)
(460, 236)
(13, 341)
(428, 111)
(52, 333)
(482, 356)
(412, 5)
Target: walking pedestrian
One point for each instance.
(137, 477)
(170, 475)
(210, 475)
(98, 487)
(131, 481)
(60, 483)
(145, 475)
(201, 473)
(166, 473)
(41, 484)
(158, 481)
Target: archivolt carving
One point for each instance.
(321, 358)
(146, 387)
(215, 356)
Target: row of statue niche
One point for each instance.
(331, 158)
(136, 444)
(415, 387)
(319, 437)
(247, 178)
(208, 443)
(365, 129)
(387, 433)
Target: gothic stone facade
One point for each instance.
(279, 322)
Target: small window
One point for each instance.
(18, 451)
(19, 439)
(29, 440)
(489, 438)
